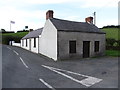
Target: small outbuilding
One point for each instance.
(63, 39)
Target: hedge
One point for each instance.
(112, 44)
(7, 38)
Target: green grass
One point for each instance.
(114, 53)
(112, 33)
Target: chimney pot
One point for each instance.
(89, 20)
(49, 14)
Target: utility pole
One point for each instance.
(94, 18)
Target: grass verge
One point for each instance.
(114, 53)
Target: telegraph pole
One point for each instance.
(94, 18)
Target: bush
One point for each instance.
(6, 39)
(112, 44)
(17, 39)
(111, 26)
(8, 32)
(118, 43)
(23, 31)
(2, 30)
(110, 41)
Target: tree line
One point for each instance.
(111, 26)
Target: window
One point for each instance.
(72, 46)
(96, 45)
(26, 42)
(34, 42)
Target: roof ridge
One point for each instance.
(67, 20)
(34, 33)
(66, 25)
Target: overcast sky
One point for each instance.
(32, 13)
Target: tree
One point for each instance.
(2, 30)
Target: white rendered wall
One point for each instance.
(24, 44)
(34, 49)
(30, 46)
(48, 41)
(16, 44)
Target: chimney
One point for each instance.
(89, 20)
(49, 14)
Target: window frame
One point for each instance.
(96, 46)
(34, 42)
(72, 47)
(26, 42)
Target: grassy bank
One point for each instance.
(113, 53)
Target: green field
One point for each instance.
(112, 33)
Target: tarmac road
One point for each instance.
(24, 69)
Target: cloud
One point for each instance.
(33, 19)
(35, 1)
(73, 18)
(101, 23)
(45, 1)
(82, 3)
(15, 10)
(99, 3)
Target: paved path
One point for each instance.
(24, 69)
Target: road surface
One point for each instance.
(24, 69)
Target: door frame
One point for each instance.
(86, 49)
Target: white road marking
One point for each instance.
(15, 52)
(69, 72)
(46, 84)
(9, 48)
(89, 81)
(23, 62)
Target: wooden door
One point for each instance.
(86, 49)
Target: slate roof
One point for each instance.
(33, 34)
(65, 25)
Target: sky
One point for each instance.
(32, 13)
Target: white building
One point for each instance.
(31, 40)
(62, 39)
